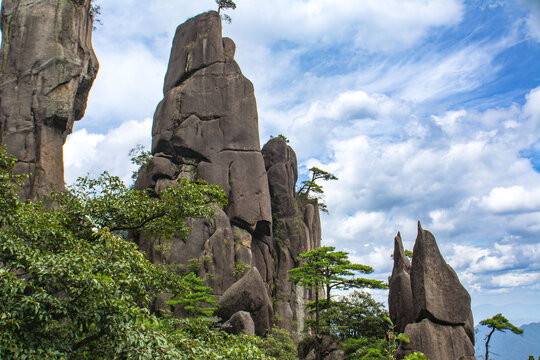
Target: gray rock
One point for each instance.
(240, 322)
(248, 294)
(197, 44)
(437, 293)
(400, 300)
(47, 67)
(242, 176)
(437, 342)
(281, 166)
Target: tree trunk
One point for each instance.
(487, 343)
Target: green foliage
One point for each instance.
(279, 344)
(197, 299)
(311, 186)
(324, 267)
(199, 339)
(139, 157)
(280, 136)
(71, 287)
(240, 268)
(355, 316)
(499, 323)
(331, 269)
(225, 4)
(95, 13)
(106, 202)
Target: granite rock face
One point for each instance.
(47, 67)
(296, 229)
(208, 118)
(437, 342)
(248, 294)
(240, 322)
(206, 127)
(437, 292)
(400, 300)
(439, 320)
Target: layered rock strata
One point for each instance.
(206, 127)
(47, 66)
(428, 303)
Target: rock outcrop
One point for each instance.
(47, 67)
(436, 312)
(206, 127)
(296, 229)
(249, 295)
(400, 300)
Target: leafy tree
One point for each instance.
(499, 323)
(280, 136)
(324, 268)
(72, 287)
(279, 344)
(225, 4)
(355, 316)
(311, 186)
(139, 157)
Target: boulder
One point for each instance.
(400, 300)
(248, 294)
(47, 67)
(437, 293)
(240, 322)
(437, 342)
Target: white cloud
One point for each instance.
(512, 199)
(533, 21)
(515, 279)
(89, 153)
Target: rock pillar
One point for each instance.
(47, 67)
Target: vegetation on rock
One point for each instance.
(72, 287)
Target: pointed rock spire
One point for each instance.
(400, 301)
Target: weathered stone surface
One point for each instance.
(328, 348)
(240, 322)
(439, 319)
(437, 293)
(197, 44)
(281, 166)
(47, 67)
(248, 294)
(400, 300)
(209, 115)
(437, 342)
(241, 175)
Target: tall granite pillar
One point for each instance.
(47, 67)
(438, 320)
(296, 229)
(206, 127)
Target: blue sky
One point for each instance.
(425, 110)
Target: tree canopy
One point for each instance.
(499, 323)
(71, 286)
(311, 186)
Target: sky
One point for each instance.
(426, 110)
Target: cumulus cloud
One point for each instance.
(512, 199)
(93, 153)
